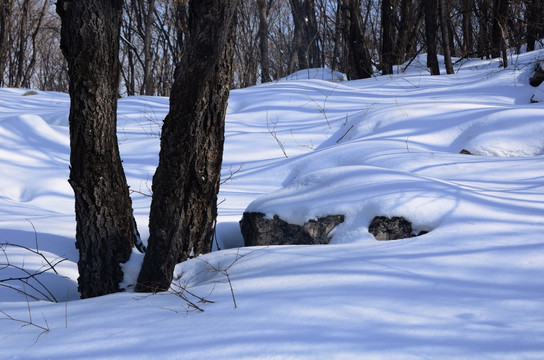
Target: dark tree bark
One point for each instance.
(484, 20)
(148, 71)
(410, 23)
(5, 18)
(388, 55)
(431, 29)
(185, 185)
(306, 36)
(21, 51)
(106, 230)
(468, 41)
(445, 37)
(30, 67)
(360, 63)
(498, 34)
(262, 8)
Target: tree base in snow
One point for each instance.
(260, 231)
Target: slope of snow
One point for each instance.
(300, 148)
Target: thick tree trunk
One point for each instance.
(431, 29)
(185, 185)
(360, 64)
(106, 230)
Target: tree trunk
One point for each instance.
(445, 37)
(30, 67)
(360, 64)
(498, 30)
(388, 55)
(5, 18)
(468, 41)
(21, 51)
(106, 230)
(185, 185)
(148, 71)
(431, 29)
(483, 31)
(263, 40)
(306, 37)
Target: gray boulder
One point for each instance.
(384, 228)
(538, 76)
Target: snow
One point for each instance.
(301, 148)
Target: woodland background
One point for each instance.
(275, 38)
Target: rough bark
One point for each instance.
(431, 30)
(185, 185)
(106, 230)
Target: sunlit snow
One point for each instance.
(307, 146)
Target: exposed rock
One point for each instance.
(384, 228)
(257, 230)
(30, 92)
(465, 152)
(538, 77)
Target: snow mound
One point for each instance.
(317, 74)
(508, 133)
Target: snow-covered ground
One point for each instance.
(307, 146)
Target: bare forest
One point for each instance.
(276, 38)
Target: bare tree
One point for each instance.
(445, 36)
(467, 6)
(359, 60)
(431, 29)
(306, 47)
(499, 29)
(262, 7)
(5, 19)
(185, 185)
(106, 229)
(388, 38)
